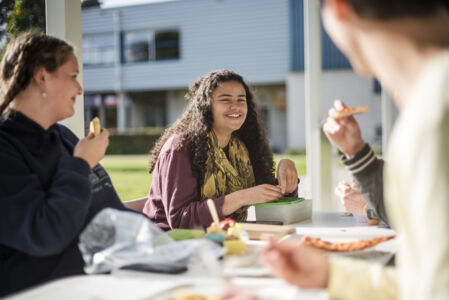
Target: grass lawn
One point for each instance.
(131, 179)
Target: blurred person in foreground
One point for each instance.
(404, 44)
(51, 183)
(216, 150)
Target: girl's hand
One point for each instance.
(344, 133)
(258, 194)
(287, 176)
(261, 193)
(92, 148)
(297, 264)
(351, 198)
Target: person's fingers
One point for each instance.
(342, 184)
(351, 194)
(270, 195)
(287, 182)
(327, 128)
(270, 187)
(281, 265)
(283, 180)
(104, 132)
(347, 119)
(337, 191)
(332, 126)
(270, 258)
(335, 124)
(292, 183)
(339, 104)
(286, 246)
(267, 194)
(233, 292)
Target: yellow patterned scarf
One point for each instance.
(224, 176)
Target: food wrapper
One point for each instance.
(115, 238)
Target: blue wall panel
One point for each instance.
(332, 58)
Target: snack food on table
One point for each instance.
(95, 126)
(344, 247)
(348, 111)
(183, 295)
(196, 297)
(230, 233)
(372, 222)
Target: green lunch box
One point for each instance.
(287, 210)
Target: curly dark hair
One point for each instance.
(196, 123)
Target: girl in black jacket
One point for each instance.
(51, 184)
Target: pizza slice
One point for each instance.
(344, 247)
(348, 111)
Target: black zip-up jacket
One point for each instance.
(47, 197)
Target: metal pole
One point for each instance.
(121, 107)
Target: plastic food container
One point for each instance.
(287, 210)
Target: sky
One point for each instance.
(116, 3)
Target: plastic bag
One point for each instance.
(115, 238)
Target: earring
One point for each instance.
(44, 95)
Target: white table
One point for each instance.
(332, 226)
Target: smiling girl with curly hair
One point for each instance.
(216, 150)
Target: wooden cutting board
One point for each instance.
(256, 231)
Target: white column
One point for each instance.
(318, 150)
(63, 18)
(296, 139)
(388, 117)
(102, 111)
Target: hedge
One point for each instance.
(133, 141)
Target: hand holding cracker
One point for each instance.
(343, 132)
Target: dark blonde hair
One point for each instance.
(22, 57)
(390, 9)
(197, 121)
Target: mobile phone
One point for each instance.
(266, 222)
(156, 268)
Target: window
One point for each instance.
(98, 49)
(167, 45)
(137, 46)
(141, 46)
(377, 87)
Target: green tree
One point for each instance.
(27, 15)
(5, 7)
(90, 3)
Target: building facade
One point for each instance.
(139, 61)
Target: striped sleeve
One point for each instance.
(361, 161)
(367, 171)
